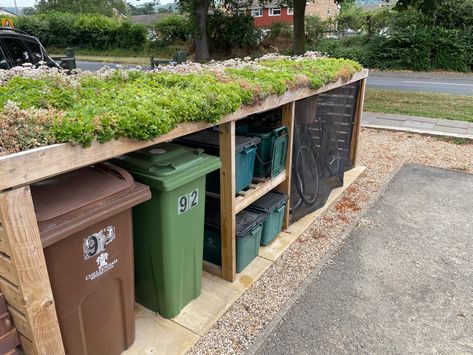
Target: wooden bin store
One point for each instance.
(24, 277)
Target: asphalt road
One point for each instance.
(456, 84)
(401, 283)
(94, 66)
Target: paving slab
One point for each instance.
(401, 283)
(422, 125)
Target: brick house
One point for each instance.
(275, 11)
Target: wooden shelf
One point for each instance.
(246, 198)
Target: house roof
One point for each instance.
(3, 11)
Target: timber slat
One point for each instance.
(4, 245)
(16, 169)
(20, 322)
(27, 345)
(7, 270)
(12, 295)
(21, 227)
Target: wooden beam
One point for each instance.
(21, 228)
(16, 169)
(227, 200)
(288, 111)
(355, 135)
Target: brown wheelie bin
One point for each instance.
(84, 219)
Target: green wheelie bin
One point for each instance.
(169, 228)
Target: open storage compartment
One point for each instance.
(24, 276)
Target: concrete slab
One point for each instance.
(200, 314)
(452, 123)
(451, 129)
(401, 283)
(418, 124)
(156, 335)
(278, 246)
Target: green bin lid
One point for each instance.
(246, 220)
(269, 202)
(210, 139)
(168, 166)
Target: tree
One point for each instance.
(103, 7)
(299, 26)
(145, 9)
(29, 11)
(428, 7)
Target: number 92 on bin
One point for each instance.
(187, 201)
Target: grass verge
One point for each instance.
(450, 107)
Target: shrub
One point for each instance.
(84, 31)
(280, 29)
(229, 31)
(174, 28)
(315, 28)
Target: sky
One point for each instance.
(24, 3)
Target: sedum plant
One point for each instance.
(45, 106)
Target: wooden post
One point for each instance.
(227, 200)
(355, 135)
(26, 281)
(285, 187)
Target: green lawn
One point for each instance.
(451, 107)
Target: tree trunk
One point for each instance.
(299, 30)
(201, 41)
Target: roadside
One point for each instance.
(114, 59)
(382, 152)
(444, 106)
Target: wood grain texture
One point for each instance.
(241, 202)
(20, 322)
(7, 270)
(4, 244)
(20, 225)
(288, 118)
(212, 268)
(16, 169)
(227, 200)
(355, 137)
(12, 295)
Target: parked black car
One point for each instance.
(18, 48)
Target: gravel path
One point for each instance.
(383, 153)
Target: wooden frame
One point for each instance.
(23, 274)
(357, 122)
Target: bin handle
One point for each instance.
(281, 129)
(281, 208)
(169, 165)
(115, 170)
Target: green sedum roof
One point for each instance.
(43, 106)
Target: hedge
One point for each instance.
(99, 32)
(46, 106)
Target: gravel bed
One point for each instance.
(383, 153)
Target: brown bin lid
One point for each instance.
(71, 191)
